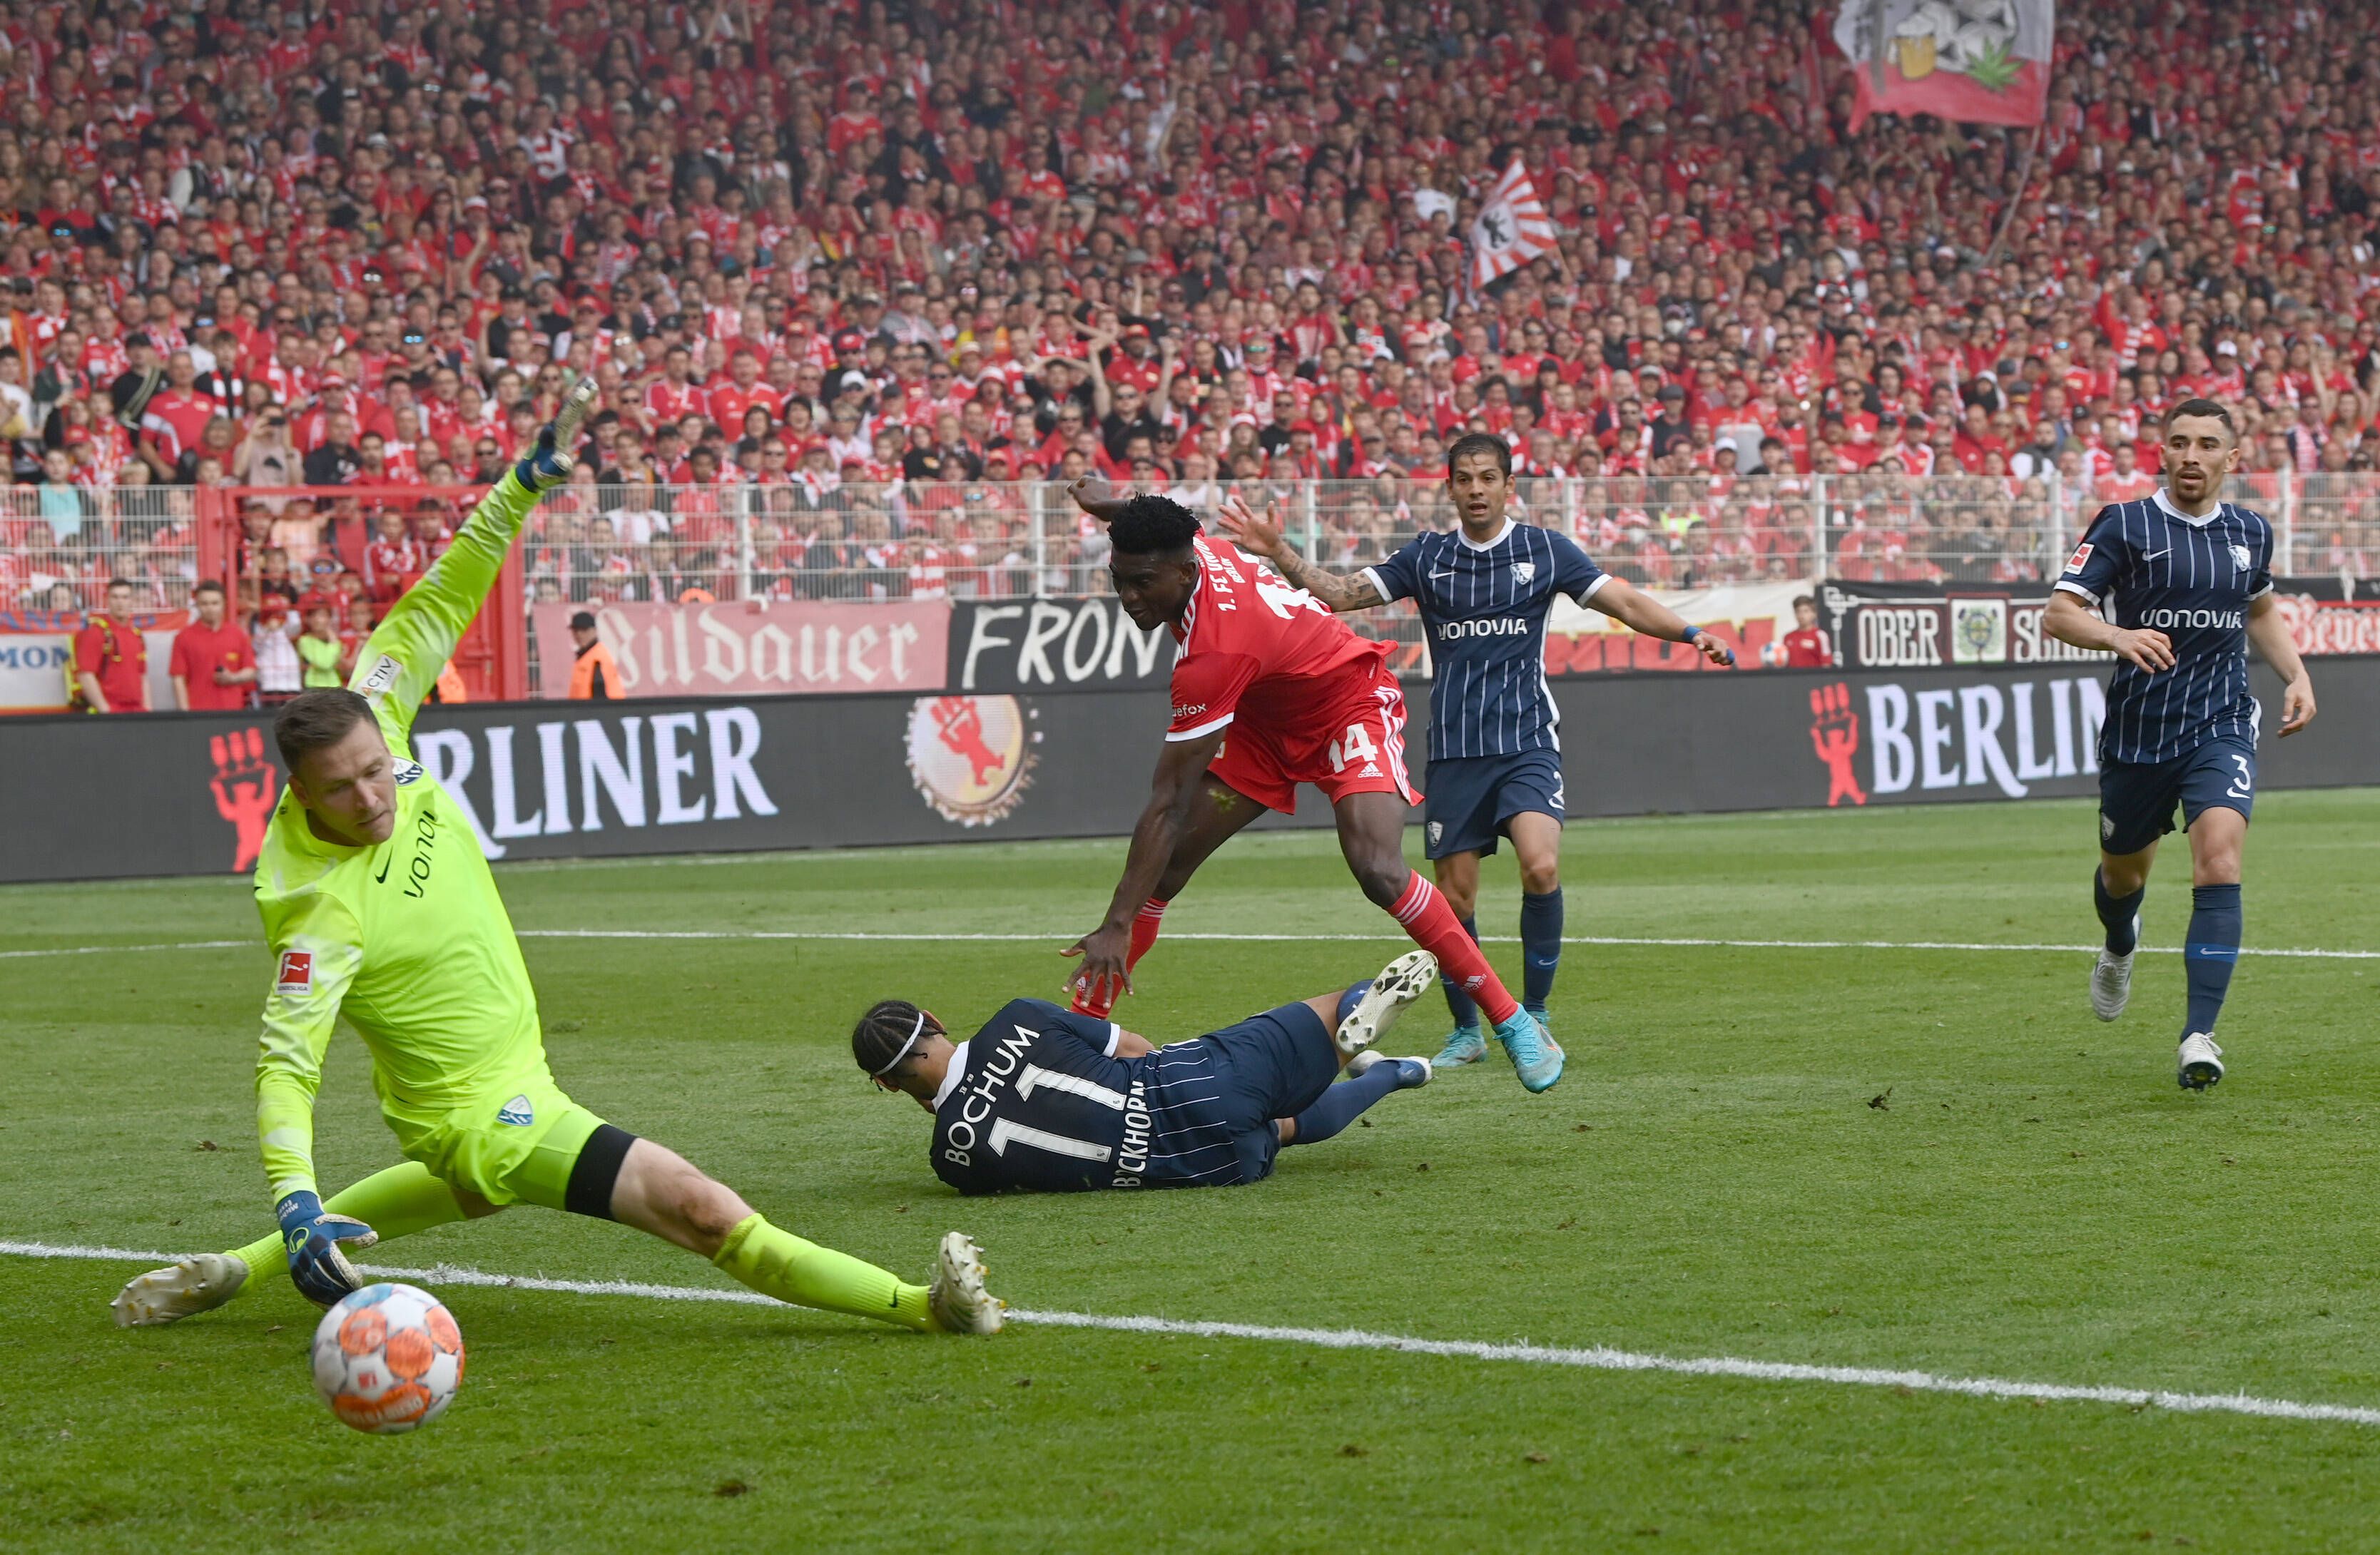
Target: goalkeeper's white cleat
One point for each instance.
(2200, 1061)
(957, 1298)
(199, 1283)
(1399, 983)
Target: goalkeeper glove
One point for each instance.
(318, 1243)
(550, 463)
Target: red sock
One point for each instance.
(1435, 928)
(1144, 924)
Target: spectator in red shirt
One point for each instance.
(215, 661)
(111, 658)
(176, 418)
(1806, 646)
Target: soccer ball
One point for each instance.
(388, 1358)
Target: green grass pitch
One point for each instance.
(1932, 1159)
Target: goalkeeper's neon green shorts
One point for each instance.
(516, 1145)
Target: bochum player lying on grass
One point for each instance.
(378, 907)
(1048, 1099)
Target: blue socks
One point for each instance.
(2210, 951)
(1343, 1102)
(1541, 932)
(2208, 954)
(2118, 913)
(1466, 1008)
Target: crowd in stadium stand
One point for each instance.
(851, 275)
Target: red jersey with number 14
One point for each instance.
(1253, 646)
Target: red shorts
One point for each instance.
(1350, 739)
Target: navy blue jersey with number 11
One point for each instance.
(1038, 1100)
(2147, 565)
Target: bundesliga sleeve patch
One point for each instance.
(297, 974)
(2082, 555)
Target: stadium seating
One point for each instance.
(864, 285)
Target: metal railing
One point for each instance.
(61, 545)
(595, 542)
(983, 539)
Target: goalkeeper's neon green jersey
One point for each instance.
(408, 940)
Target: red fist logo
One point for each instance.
(1833, 734)
(245, 785)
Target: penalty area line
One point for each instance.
(1598, 1357)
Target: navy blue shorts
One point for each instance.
(2137, 799)
(1473, 799)
(1272, 1066)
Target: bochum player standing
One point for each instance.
(2185, 582)
(1495, 759)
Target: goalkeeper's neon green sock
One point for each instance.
(778, 1263)
(395, 1201)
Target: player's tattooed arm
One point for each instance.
(1261, 537)
(1342, 591)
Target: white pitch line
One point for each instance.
(1599, 1358)
(101, 949)
(1057, 937)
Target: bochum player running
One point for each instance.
(378, 907)
(2186, 581)
(1495, 759)
(1270, 691)
(1050, 1100)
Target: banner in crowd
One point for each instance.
(1968, 61)
(2329, 615)
(36, 647)
(1512, 229)
(1752, 618)
(1032, 645)
(752, 648)
(1924, 626)
(193, 792)
(1920, 625)
(1042, 645)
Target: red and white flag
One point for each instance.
(1513, 228)
(1968, 61)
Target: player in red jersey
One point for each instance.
(1271, 690)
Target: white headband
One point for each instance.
(914, 1032)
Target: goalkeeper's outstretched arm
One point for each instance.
(401, 660)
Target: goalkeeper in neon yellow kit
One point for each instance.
(378, 905)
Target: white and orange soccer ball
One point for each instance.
(388, 1358)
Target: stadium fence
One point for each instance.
(599, 541)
